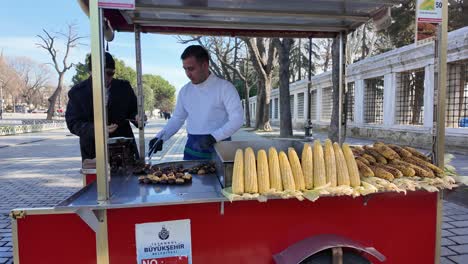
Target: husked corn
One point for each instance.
(330, 163)
(319, 165)
(406, 170)
(371, 151)
(263, 174)
(342, 174)
(250, 173)
(385, 151)
(381, 173)
(238, 173)
(401, 151)
(307, 166)
(364, 170)
(286, 172)
(370, 158)
(296, 169)
(275, 172)
(416, 153)
(354, 178)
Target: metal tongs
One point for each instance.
(153, 150)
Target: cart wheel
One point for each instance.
(325, 257)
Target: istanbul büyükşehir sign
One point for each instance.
(164, 242)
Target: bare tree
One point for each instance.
(10, 83)
(284, 48)
(47, 42)
(263, 55)
(34, 78)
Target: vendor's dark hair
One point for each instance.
(197, 51)
(109, 61)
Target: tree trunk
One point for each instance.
(334, 122)
(284, 48)
(266, 108)
(264, 61)
(53, 99)
(247, 104)
(299, 71)
(260, 101)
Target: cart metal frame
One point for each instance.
(272, 18)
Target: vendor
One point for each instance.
(211, 106)
(121, 105)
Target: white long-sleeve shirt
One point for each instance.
(211, 107)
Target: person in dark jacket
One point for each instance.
(121, 105)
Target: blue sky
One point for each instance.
(22, 20)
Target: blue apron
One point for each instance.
(193, 151)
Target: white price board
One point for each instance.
(429, 11)
(117, 4)
(164, 242)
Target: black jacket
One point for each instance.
(122, 105)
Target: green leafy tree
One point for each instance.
(164, 92)
(81, 74)
(402, 30)
(122, 71)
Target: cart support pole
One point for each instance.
(308, 125)
(100, 117)
(441, 84)
(141, 103)
(102, 241)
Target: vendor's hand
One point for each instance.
(158, 147)
(112, 128)
(207, 142)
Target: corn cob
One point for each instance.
(371, 151)
(416, 153)
(250, 173)
(319, 165)
(342, 174)
(381, 173)
(419, 171)
(363, 160)
(353, 170)
(364, 170)
(263, 174)
(238, 173)
(395, 172)
(401, 151)
(307, 166)
(286, 173)
(296, 169)
(275, 173)
(330, 163)
(357, 151)
(418, 161)
(421, 164)
(406, 170)
(370, 158)
(385, 151)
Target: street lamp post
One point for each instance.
(308, 125)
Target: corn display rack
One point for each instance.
(328, 170)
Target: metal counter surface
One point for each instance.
(128, 192)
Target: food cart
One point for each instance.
(117, 219)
